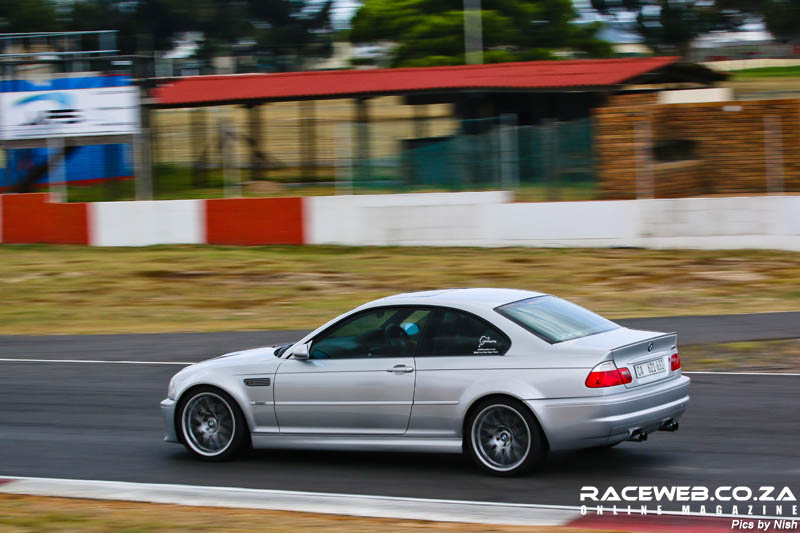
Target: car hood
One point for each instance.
(258, 360)
(226, 368)
(260, 356)
(246, 355)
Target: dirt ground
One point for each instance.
(63, 515)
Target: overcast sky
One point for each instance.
(343, 10)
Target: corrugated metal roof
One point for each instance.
(534, 75)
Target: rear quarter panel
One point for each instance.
(447, 387)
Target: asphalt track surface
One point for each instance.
(101, 421)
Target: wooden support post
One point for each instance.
(308, 139)
(362, 137)
(421, 129)
(198, 135)
(258, 162)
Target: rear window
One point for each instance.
(554, 319)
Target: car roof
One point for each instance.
(459, 298)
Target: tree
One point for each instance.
(19, 16)
(284, 31)
(143, 27)
(293, 29)
(431, 32)
(781, 17)
(277, 28)
(672, 25)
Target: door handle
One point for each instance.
(401, 369)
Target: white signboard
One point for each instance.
(69, 113)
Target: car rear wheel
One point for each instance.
(212, 425)
(504, 438)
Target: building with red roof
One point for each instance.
(529, 91)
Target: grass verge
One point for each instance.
(73, 289)
(767, 72)
(40, 514)
(757, 356)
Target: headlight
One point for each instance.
(171, 389)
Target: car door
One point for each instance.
(358, 379)
(458, 350)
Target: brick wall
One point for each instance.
(632, 99)
(696, 149)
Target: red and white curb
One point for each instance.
(368, 506)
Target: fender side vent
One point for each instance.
(257, 382)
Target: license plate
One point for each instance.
(656, 366)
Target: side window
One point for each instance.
(383, 332)
(458, 333)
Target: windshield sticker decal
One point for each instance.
(486, 345)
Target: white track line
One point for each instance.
(94, 361)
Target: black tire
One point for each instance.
(221, 431)
(503, 438)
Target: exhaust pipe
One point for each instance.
(669, 425)
(638, 436)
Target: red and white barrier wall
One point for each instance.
(31, 218)
(26, 218)
(485, 219)
(146, 223)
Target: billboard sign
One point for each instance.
(69, 113)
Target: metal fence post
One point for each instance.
(553, 157)
(344, 159)
(143, 169)
(509, 172)
(473, 32)
(142, 157)
(56, 175)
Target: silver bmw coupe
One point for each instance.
(501, 375)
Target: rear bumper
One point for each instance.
(604, 420)
(168, 413)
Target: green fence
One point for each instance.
(486, 153)
(549, 161)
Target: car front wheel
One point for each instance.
(504, 438)
(212, 425)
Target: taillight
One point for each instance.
(675, 361)
(608, 375)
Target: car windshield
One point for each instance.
(554, 319)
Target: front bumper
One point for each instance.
(604, 420)
(168, 412)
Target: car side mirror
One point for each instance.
(300, 352)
